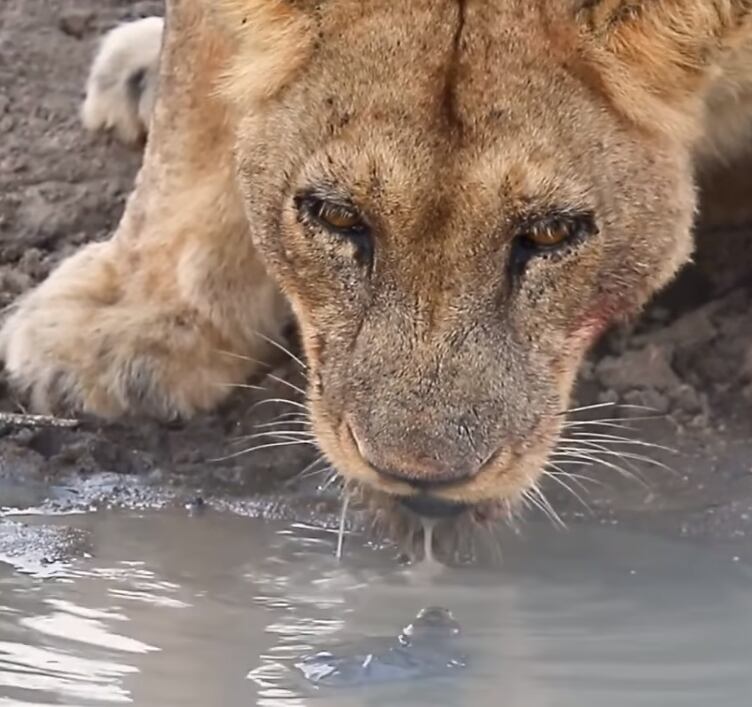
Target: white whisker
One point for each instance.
(559, 479)
(576, 454)
(329, 482)
(296, 388)
(275, 434)
(268, 401)
(617, 439)
(309, 470)
(289, 416)
(579, 479)
(243, 386)
(242, 357)
(549, 509)
(597, 406)
(584, 408)
(284, 349)
(263, 446)
(342, 521)
(281, 423)
(598, 448)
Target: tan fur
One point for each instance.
(449, 125)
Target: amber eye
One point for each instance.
(550, 236)
(339, 219)
(550, 232)
(336, 217)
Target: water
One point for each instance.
(161, 608)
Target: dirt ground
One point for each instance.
(689, 357)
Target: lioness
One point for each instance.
(453, 197)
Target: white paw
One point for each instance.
(121, 87)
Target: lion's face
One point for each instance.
(456, 210)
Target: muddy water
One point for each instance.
(165, 608)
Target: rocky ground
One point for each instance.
(688, 357)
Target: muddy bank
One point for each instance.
(688, 358)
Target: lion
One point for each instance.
(452, 198)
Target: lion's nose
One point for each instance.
(413, 461)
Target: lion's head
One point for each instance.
(458, 197)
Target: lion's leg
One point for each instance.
(158, 319)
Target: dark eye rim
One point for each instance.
(582, 225)
(579, 225)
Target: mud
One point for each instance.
(689, 357)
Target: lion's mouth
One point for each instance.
(432, 507)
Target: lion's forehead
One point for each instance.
(481, 92)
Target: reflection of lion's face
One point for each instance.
(455, 210)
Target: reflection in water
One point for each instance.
(164, 609)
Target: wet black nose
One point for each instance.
(432, 507)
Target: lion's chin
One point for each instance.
(456, 529)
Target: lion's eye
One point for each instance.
(549, 233)
(339, 219)
(543, 235)
(549, 236)
(336, 217)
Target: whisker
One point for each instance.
(557, 478)
(293, 403)
(313, 471)
(329, 482)
(342, 521)
(597, 406)
(308, 471)
(606, 422)
(579, 479)
(296, 388)
(531, 500)
(584, 408)
(243, 386)
(555, 517)
(243, 357)
(275, 434)
(623, 422)
(304, 423)
(262, 446)
(284, 349)
(574, 454)
(289, 415)
(618, 439)
(598, 448)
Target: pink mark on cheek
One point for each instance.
(593, 323)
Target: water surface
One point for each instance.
(162, 608)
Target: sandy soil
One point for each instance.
(689, 357)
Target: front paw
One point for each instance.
(76, 344)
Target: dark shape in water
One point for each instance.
(424, 649)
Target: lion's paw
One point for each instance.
(76, 343)
(122, 83)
